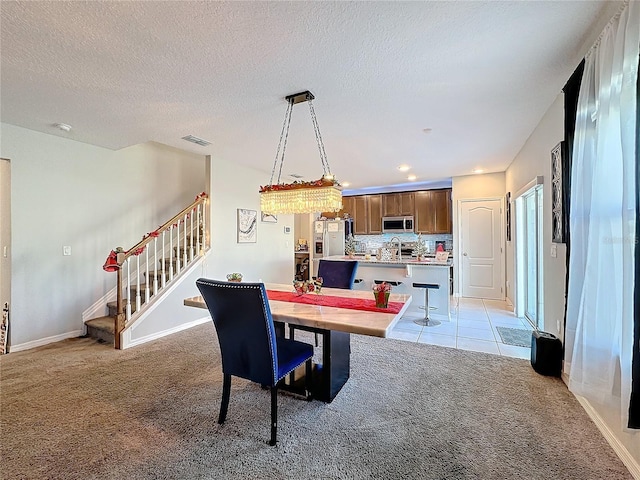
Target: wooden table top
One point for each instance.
(376, 324)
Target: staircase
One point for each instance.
(173, 247)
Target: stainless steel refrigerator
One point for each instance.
(328, 239)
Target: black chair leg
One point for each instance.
(226, 392)
(274, 414)
(307, 379)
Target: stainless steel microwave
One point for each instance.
(397, 224)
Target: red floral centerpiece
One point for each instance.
(381, 293)
(305, 286)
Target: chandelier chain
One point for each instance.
(316, 128)
(282, 143)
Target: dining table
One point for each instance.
(334, 314)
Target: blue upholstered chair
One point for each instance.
(248, 343)
(337, 274)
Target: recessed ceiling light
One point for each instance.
(478, 170)
(345, 184)
(404, 167)
(63, 126)
(411, 177)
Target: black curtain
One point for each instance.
(634, 405)
(571, 91)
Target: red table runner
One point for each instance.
(333, 301)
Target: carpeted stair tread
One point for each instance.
(102, 323)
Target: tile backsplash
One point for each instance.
(377, 241)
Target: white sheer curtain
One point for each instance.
(599, 332)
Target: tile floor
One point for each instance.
(472, 327)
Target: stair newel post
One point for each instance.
(119, 323)
(147, 289)
(171, 253)
(128, 317)
(155, 262)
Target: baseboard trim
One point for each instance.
(44, 341)
(128, 343)
(632, 465)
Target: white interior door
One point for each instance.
(482, 274)
(5, 246)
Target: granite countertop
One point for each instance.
(427, 262)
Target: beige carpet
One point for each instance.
(78, 409)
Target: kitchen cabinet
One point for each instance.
(374, 210)
(348, 206)
(433, 211)
(360, 215)
(398, 204)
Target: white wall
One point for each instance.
(64, 192)
(534, 159)
(271, 258)
(467, 187)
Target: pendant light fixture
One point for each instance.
(321, 195)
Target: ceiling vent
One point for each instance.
(196, 140)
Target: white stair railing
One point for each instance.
(164, 257)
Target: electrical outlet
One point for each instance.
(557, 325)
(554, 250)
(66, 250)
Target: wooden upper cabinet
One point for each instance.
(407, 203)
(374, 211)
(398, 204)
(441, 202)
(423, 217)
(348, 206)
(433, 211)
(360, 215)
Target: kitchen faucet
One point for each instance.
(399, 246)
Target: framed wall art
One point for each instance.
(558, 210)
(247, 225)
(508, 215)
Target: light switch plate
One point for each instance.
(554, 250)
(66, 250)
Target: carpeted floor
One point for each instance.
(81, 410)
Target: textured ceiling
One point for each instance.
(479, 74)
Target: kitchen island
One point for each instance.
(402, 274)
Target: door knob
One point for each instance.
(464, 254)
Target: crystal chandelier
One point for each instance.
(322, 195)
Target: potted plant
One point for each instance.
(234, 277)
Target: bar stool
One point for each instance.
(427, 321)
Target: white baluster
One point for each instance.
(178, 264)
(155, 262)
(137, 272)
(171, 253)
(191, 236)
(198, 245)
(128, 290)
(184, 245)
(204, 223)
(147, 290)
(164, 275)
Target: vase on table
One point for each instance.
(382, 299)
